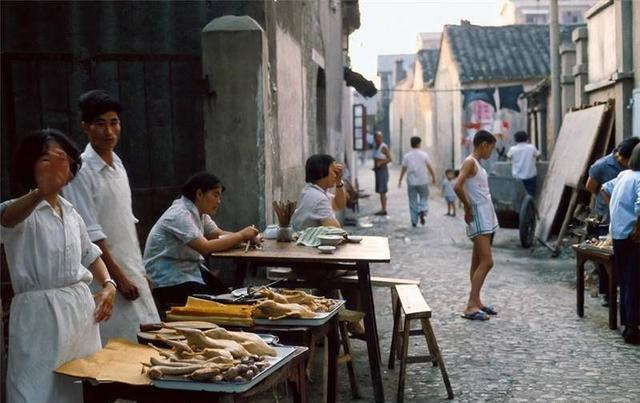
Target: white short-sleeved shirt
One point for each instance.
(523, 160)
(167, 258)
(416, 163)
(624, 205)
(314, 205)
(47, 251)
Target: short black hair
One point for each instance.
(456, 173)
(317, 167)
(449, 171)
(483, 136)
(96, 102)
(415, 141)
(521, 137)
(634, 159)
(203, 181)
(34, 146)
(626, 146)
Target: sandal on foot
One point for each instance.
(488, 309)
(477, 315)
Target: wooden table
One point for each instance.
(354, 256)
(599, 256)
(292, 373)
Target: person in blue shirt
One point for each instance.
(624, 206)
(602, 171)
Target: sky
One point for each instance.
(391, 26)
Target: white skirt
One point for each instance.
(484, 220)
(46, 329)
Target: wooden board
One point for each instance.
(412, 301)
(372, 249)
(569, 162)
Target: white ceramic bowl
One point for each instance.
(354, 238)
(326, 249)
(331, 240)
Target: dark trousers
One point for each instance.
(177, 295)
(627, 261)
(531, 185)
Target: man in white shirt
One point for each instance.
(415, 164)
(100, 192)
(523, 158)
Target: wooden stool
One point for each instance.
(344, 318)
(412, 305)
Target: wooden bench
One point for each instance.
(412, 306)
(604, 257)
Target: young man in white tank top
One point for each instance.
(472, 187)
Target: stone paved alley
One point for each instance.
(535, 350)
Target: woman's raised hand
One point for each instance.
(52, 172)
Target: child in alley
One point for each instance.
(448, 193)
(472, 187)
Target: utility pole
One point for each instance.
(554, 48)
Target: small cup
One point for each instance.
(285, 234)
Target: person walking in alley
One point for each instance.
(381, 158)
(102, 195)
(623, 194)
(523, 158)
(472, 187)
(415, 164)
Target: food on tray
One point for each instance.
(284, 296)
(210, 311)
(603, 242)
(215, 356)
(274, 310)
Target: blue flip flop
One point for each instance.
(488, 309)
(477, 315)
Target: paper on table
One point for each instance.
(119, 361)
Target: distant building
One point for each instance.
(537, 11)
(428, 40)
(391, 69)
(480, 75)
(411, 111)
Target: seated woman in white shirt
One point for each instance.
(316, 206)
(54, 318)
(175, 251)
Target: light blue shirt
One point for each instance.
(624, 206)
(167, 258)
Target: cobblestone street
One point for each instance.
(535, 350)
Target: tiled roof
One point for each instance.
(503, 53)
(386, 62)
(428, 61)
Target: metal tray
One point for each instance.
(285, 354)
(319, 320)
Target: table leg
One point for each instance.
(332, 373)
(613, 295)
(580, 284)
(373, 345)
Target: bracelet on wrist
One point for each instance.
(341, 184)
(110, 281)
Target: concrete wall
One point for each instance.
(305, 91)
(447, 110)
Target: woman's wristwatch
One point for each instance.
(339, 185)
(110, 281)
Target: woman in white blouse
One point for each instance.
(54, 318)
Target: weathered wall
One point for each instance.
(51, 53)
(305, 84)
(447, 110)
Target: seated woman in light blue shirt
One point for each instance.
(624, 208)
(316, 206)
(174, 255)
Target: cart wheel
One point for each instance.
(527, 221)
